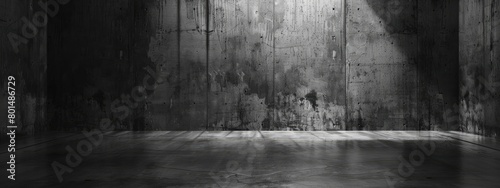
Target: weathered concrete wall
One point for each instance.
(479, 66)
(402, 59)
(245, 64)
(309, 68)
(381, 65)
(26, 61)
(438, 65)
(265, 64)
(90, 64)
(177, 45)
(276, 65)
(240, 64)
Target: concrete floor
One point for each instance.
(262, 159)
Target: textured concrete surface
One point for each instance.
(252, 65)
(309, 66)
(263, 159)
(27, 62)
(479, 67)
(402, 59)
(90, 65)
(438, 79)
(266, 65)
(381, 74)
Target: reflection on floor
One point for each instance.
(257, 159)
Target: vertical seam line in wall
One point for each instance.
(483, 46)
(492, 20)
(344, 59)
(274, 65)
(131, 57)
(177, 88)
(426, 83)
(207, 59)
(178, 44)
(459, 76)
(417, 62)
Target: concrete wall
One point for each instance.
(438, 65)
(90, 63)
(381, 61)
(245, 64)
(177, 44)
(25, 59)
(402, 59)
(276, 65)
(479, 66)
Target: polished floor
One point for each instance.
(257, 159)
